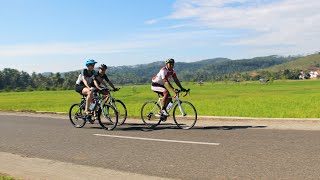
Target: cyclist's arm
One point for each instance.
(102, 81)
(111, 84)
(168, 84)
(96, 84)
(176, 80)
(85, 82)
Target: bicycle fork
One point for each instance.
(181, 109)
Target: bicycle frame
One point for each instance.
(176, 101)
(109, 98)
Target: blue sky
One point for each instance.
(58, 36)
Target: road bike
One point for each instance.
(184, 113)
(118, 105)
(105, 113)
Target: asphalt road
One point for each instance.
(209, 152)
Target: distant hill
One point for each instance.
(206, 70)
(303, 63)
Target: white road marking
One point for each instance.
(161, 140)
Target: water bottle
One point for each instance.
(92, 106)
(169, 106)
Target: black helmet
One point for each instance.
(171, 61)
(103, 66)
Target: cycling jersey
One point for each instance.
(88, 76)
(103, 77)
(164, 73)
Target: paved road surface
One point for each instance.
(208, 152)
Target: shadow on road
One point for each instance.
(228, 127)
(165, 126)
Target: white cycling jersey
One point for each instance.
(164, 73)
(88, 76)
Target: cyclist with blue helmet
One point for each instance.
(162, 79)
(85, 81)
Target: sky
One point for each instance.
(59, 35)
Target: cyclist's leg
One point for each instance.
(105, 92)
(166, 99)
(165, 94)
(86, 91)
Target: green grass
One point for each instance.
(280, 99)
(4, 177)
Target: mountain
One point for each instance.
(206, 70)
(303, 63)
(216, 69)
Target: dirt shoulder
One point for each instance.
(35, 168)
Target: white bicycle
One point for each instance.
(183, 112)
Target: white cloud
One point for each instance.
(291, 23)
(152, 21)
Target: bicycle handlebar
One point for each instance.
(112, 90)
(187, 91)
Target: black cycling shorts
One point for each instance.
(79, 88)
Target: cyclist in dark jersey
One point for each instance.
(84, 82)
(100, 77)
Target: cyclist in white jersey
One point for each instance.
(162, 79)
(84, 82)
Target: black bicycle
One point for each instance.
(118, 105)
(105, 113)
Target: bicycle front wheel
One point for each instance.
(76, 115)
(185, 115)
(108, 117)
(122, 111)
(150, 113)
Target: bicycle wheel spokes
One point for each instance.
(150, 113)
(109, 117)
(76, 116)
(185, 116)
(122, 111)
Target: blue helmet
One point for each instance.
(90, 61)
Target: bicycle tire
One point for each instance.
(149, 111)
(122, 112)
(76, 115)
(109, 119)
(186, 120)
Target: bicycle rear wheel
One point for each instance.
(76, 115)
(122, 111)
(185, 116)
(108, 118)
(150, 113)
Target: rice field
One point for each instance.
(278, 99)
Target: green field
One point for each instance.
(281, 99)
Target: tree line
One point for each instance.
(14, 80)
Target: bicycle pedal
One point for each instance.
(163, 118)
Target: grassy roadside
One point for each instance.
(280, 99)
(6, 177)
